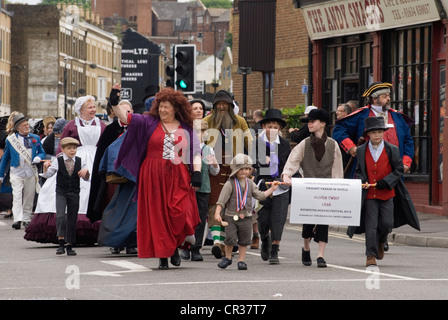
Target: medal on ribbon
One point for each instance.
(241, 199)
(223, 132)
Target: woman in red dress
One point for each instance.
(161, 150)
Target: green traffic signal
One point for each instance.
(182, 84)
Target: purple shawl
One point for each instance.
(133, 149)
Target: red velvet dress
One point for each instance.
(167, 211)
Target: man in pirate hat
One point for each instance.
(348, 130)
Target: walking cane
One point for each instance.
(360, 142)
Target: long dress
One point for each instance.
(43, 226)
(167, 211)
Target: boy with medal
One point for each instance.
(236, 197)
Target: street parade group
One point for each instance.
(161, 177)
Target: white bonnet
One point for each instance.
(80, 101)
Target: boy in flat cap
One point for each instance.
(349, 129)
(319, 157)
(380, 169)
(69, 169)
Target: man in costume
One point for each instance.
(348, 130)
(228, 135)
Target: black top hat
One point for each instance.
(273, 115)
(318, 114)
(374, 123)
(376, 86)
(223, 95)
(150, 91)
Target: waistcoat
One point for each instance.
(64, 182)
(318, 169)
(377, 171)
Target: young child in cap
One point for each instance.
(319, 157)
(236, 197)
(69, 169)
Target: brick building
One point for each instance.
(5, 62)
(291, 63)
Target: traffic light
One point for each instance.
(170, 75)
(185, 68)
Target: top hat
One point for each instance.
(18, 119)
(374, 123)
(223, 95)
(318, 114)
(375, 88)
(150, 91)
(273, 115)
(240, 161)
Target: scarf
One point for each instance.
(26, 141)
(318, 145)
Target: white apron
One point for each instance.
(89, 136)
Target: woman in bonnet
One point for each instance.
(87, 129)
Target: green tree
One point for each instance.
(227, 4)
(81, 3)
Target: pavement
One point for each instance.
(433, 232)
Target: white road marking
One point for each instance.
(130, 266)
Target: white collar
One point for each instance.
(265, 139)
(378, 109)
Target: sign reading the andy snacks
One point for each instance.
(326, 201)
(346, 17)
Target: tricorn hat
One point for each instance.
(318, 114)
(374, 123)
(240, 161)
(377, 88)
(273, 115)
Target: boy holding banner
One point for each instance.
(380, 168)
(318, 156)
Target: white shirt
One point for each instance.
(23, 170)
(55, 167)
(376, 152)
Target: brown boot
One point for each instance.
(380, 251)
(370, 261)
(255, 242)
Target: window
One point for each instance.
(410, 73)
(102, 86)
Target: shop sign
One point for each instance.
(339, 18)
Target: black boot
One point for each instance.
(273, 259)
(70, 251)
(175, 259)
(61, 249)
(265, 244)
(17, 225)
(163, 263)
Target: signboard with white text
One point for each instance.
(340, 18)
(326, 201)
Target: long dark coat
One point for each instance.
(404, 210)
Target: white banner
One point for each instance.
(344, 17)
(326, 201)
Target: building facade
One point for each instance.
(402, 42)
(59, 57)
(5, 62)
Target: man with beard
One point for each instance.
(348, 130)
(228, 135)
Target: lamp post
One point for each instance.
(65, 88)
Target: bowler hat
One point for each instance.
(273, 115)
(223, 95)
(18, 119)
(374, 123)
(318, 114)
(240, 161)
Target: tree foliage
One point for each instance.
(226, 4)
(81, 3)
